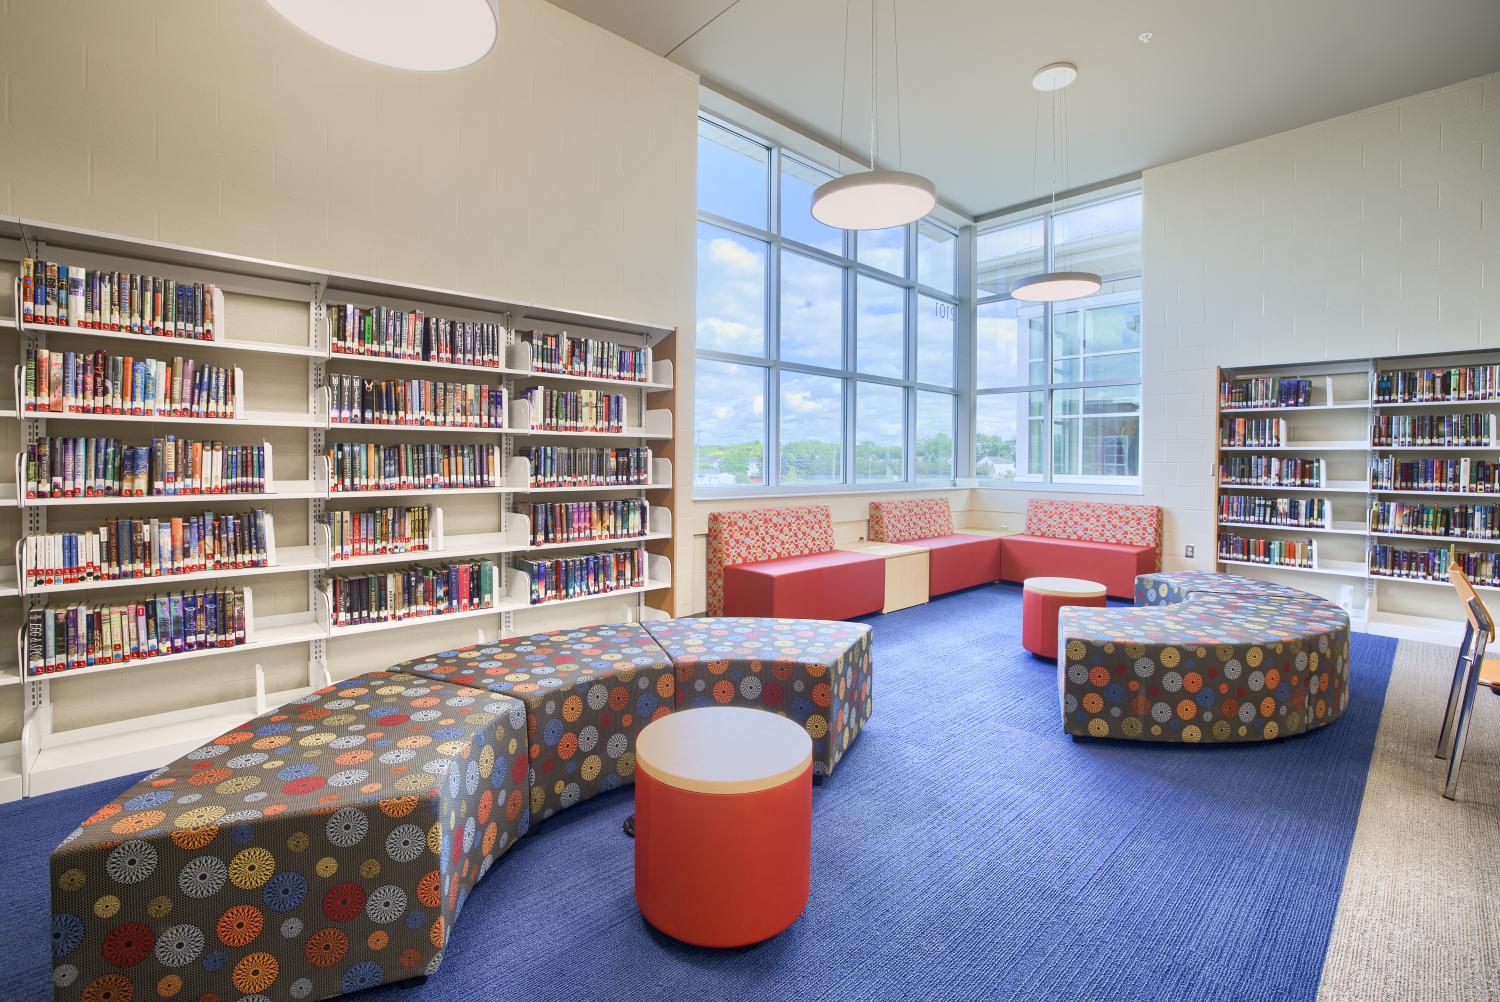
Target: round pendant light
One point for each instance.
(430, 35)
(1056, 286)
(874, 199)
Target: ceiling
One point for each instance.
(1215, 73)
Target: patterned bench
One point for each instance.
(329, 846)
(780, 562)
(1108, 543)
(812, 671)
(955, 560)
(322, 848)
(1204, 657)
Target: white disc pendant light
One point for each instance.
(405, 34)
(874, 199)
(1056, 286)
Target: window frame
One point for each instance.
(772, 361)
(1051, 481)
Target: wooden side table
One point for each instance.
(906, 572)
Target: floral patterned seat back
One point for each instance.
(910, 518)
(1096, 522)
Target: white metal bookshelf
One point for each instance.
(1338, 427)
(44, 758)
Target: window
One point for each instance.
(825, 360)
(1059, 384)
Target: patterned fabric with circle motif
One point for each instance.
(906, 519)
(1209, 658)
(322, 848)
(1096, 522)
(816, 672)
(739, 537)
(587, 692)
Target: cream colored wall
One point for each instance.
(1376, 233)
(559, 170)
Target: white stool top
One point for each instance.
(723, 749)
(1065, 587)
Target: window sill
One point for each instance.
(752, 493)
(1131, 490)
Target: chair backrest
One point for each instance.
(738, 537)
(1095, 522)
(1474, 608)
(910, 518)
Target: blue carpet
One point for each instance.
(964, 848)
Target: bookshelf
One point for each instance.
(274, 329)
(1381, 467)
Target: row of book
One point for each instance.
(1463, 430)
(82, 636)
(72, 296)
(382, 332)
(129, 548)
(1278, 552)
(419, 402)
(1257, 432)
(105, 467)
(365, 466)
(1271, 471)
(575, 410)
(1431, 564)
(587, 574)
(1464, 382)
(1265, 391)
(563, 354)
(398, 529)
(1461, 521)
(586, 521)
(412, 592)
(567, 466)
(1263, 510)
(96, 382)
(1469, 476)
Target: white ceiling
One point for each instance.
(1215, 73)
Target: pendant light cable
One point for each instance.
(896, 44)
(874, 84)
(844, 84)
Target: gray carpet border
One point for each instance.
(1418, 919)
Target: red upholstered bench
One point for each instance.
(955, 560)
(1108, 543)
(780, 563)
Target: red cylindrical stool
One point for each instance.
(1041, 598)
(723, 824)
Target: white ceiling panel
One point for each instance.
(1215, 73)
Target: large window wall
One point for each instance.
(825, 360)
(1058, 398)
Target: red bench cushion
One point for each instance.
(959, 561)
(1113, 565)
(836, 585)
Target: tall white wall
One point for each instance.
(1376, 233)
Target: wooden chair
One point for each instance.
(1471, 671)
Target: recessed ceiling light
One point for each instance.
(1054, 76)
(1144, 36)
(432, 35)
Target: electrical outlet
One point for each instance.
(1188, 550)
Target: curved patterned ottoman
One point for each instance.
(1204, 657)
(587, 692)
(322, 848)
(813, 671)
